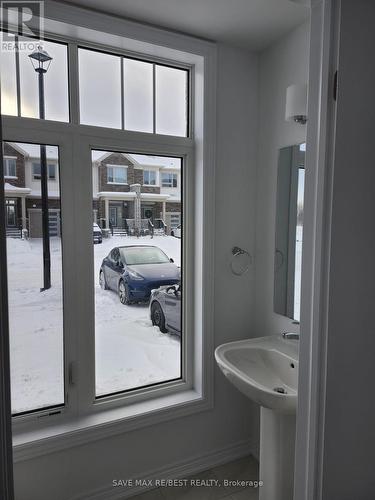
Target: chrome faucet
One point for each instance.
(290, 336)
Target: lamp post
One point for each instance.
(41, 61)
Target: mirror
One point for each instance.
(289, 231)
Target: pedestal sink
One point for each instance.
(265, 369)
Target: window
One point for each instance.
(10, 167)
(138, 331)
(117, 175)
(101, 360)
(37, 172)
(149, 177)
(35, 310)
(168, 180)
(130, 94)
(171, 101)
(19, 81)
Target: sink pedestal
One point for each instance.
(277, 440)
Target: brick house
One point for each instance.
(125, 187)
(23, 191)
(122, 182)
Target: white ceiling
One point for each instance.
(251, 24)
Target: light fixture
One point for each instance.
(296, 103)
(40, 60)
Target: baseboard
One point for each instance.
(184, 469)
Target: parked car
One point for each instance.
(134, 270)
(176, 231)
(165, 309)
(97, 233)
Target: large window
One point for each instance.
(35, 312)
(137, 276)
(129, 338)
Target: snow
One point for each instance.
(130, 352)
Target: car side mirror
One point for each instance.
(171, 260)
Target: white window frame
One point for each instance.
(149, 171)
(169, 186)
(37, 177)
(117, 167)
(6, 167)
(112, 415)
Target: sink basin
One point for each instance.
(265, 369)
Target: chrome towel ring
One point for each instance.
(240, 262)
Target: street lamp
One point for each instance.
(41, 62)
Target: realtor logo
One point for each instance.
(24, 18)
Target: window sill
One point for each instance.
(10, 177)
(44, 438)
(118, 183)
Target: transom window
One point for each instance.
(10, 167)
(149, 177)
(168, 180)
(51, 171)
(117, 175)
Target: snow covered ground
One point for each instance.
(130, 352)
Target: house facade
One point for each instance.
(129, 191)
(22, 187)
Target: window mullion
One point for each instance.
(73, 83)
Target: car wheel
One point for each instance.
(123, 292)
(102, 281)
(157, 317)
(172, 233)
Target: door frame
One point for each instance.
(314, 286)
(7, 205)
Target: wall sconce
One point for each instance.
(296, 103)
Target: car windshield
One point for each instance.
(143, 255)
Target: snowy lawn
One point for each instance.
(130, 352)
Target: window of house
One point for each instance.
(149, 177)
(10, 167)
(168, 180)
(37, 171)
(117, 175)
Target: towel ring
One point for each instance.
(240, 262)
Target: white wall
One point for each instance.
(62, 475)
(283, 64)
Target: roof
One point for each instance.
(33, 150)
(15, 190)
(142, 161)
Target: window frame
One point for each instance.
(149, 171)
(117, 167)
(173, 176)
(37, 177)
(6, 167)
(197, 150)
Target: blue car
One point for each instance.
(133, 271)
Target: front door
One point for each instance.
(113, 216)
(11, 216)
